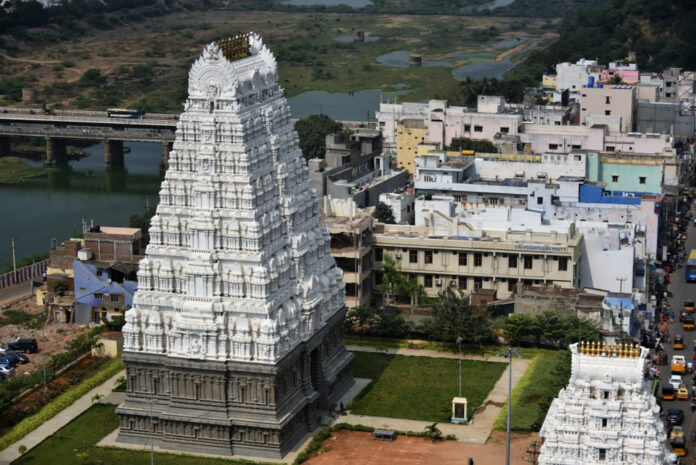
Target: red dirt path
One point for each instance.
(358, 448)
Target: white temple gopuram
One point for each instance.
(607, 413)
(236, 328)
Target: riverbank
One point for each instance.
(18, 169)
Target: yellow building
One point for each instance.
(409, 133)
(548, 81)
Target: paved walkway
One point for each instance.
(10, 295)
(32, 439)
(476, 432)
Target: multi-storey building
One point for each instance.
(614, 100)
(351, 247)
(607, 413)
(492, 253)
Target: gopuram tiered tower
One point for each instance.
(236, 328)
(607, 413)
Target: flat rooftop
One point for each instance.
(117, 231)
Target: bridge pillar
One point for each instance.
(5, 146)
(55, 150)
(113, 153)
(165, 153)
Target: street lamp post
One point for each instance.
(459, 343)
(152, 437)
(509, 353)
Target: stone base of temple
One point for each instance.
(234, 408)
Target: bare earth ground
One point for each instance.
(56, 335)
(358, 448)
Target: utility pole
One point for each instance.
(43, 348)
(459, 343)
(621, 279)
(509, 353)
(14, 261)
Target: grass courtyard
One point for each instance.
(420, 388)
(75, 444)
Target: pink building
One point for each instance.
(453, 122)
(629, 72)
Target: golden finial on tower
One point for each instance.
(235, 47)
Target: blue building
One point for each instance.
(98, 295)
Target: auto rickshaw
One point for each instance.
(667, 392)
(683, 393)
(688, 306)
(689, 324)
(677, 441)
(678, 342)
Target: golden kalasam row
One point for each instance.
(235, 47)
(604, 349)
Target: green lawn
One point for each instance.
(547, 374)
(13, 170)
(75, 444)
(420, 388)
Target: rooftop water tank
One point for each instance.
(590, 81)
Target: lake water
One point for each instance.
(37, 210)
(350, 38)
(496, 4)
(351, 3)
(339, 106)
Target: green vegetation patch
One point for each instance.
(420, 388)
(75, 443)
(14, 170)
(547, 374)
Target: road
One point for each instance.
(681, 291)
(10, 294)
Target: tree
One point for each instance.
(391, 278)
(312, 132)
(384, 214)
(455, 316)
(464, 143)
(549, 328)
(143, 222)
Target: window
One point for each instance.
(428, 257)
(379, 254)
(668, 94)
(604, 422)
(614, 178)
(610, 148)
(428, 178)
(463, 258)
(512, 261)
(478, 259)
(553, 146)
(98, 295)
(83, 289)
(668, 84)
(563, 264)
(428, 280)
(463, 282)
(577, 157)
(378, 277)
(413, 256)
(114, 297)
(540, 200)
(478, 128)
(607, 112)
(605, 394)
(99, 273)
(641, 179)
(511, 285)
(467, 127)
(504, 130)
(528, 260)
(478, 283)
(602, 454)
(608, 100)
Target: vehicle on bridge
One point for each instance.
(125, 113)
(690, 268)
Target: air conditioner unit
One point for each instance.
(398, 255)
(438, 282)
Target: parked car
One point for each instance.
(675, 381)
(6, 371)
(3, 348)
(24, 345)
(17, 356)
(7, 361)
(675, 416)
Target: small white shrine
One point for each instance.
(606, 414)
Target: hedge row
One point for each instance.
(63, 401)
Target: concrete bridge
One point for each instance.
(91, 125)
(61, 125)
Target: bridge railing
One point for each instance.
(91, 133)
(23, 274)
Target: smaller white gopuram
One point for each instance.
(607, 413)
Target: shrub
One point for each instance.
(313, 447)
(29, 424)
